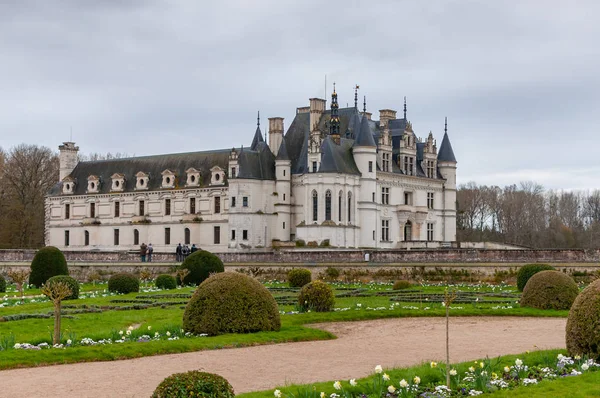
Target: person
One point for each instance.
(143, 251)
(178, 253)
(185, 251)
(150, 250)
(194, 248)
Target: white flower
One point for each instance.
(518, 362)
(322, 395)
(130, 328)
(378, 369)
(585, 366)
(560, 356)
(391, 389)
(277, 393)
(168, 334)
(121, 332)
(403, 383)
(386, 377)
(353, 383)
(417, 380)
(156, 334)
(69, 341)
(577, 357)
(453, 372)
(481, 364)
(129, 333)
(506, 369)
(471, 369)
(337, 385)
(433, 364)
(17, 346)
(149, 327)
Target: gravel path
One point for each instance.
(359, 347)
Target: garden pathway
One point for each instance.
(359, 347)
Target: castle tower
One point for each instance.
(334, 124)
(67, 158)
(407, 159)
(275, 133)
(283, 187)
(317, 108)
(384, 152)
(446, 162)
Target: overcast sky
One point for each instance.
(518, 80)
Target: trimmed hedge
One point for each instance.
(583, 324)
(200, 265)
(194, 384)
(527, 271)
(165, 281)
(549, 290)
(2, 284)
(71, 282)
(230, 302)
(401, 284)
(124, 283)
(48, 262)
(299, 277)
(316, 296)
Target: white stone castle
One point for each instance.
(336, 178)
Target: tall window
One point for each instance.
(217, 235)
(385, 230)
(328, 205)
(245, 201)
(67, 238)
(167, 236)
(217, 204)
(340, 206)
(67, 211)
(245, 234)
(233, 201)
(385, 162)
(86, 238)
(167, 207)
(430, 200)
(233, 234)
(408, 199)
(186, 236)
(314, 167)
(409, 165)
(385, 195)
(116, 237)
(408, 231)
(370, 166)
(92, 210)
(349, 207)
(430, 231)
(315, 205)
(136, 237)
(141, 208)
(117, 209)
(233, 172)
(430, 169)
(192, 205)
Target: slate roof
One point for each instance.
(258, 137)
(338, 158)
(446, 154)
(257, 164)
(365, 134)
(282, 153)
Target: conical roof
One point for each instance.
(282, 153)
(446, 154)
(258, 137)
(365, 135)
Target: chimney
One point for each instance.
(275, 133)
(67, 158)
(385, 115)
(317, 107)
(367, 115)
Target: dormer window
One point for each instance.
(168, 179)
(93, 184)
(217, 176)
(193, 177)
(68, 185)
(118, 182)
(141, 182)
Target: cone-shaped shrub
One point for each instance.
(166, 281)
(71, 282)
(583, 325)
(2, 284)
(194, 384)
(200, 265)
(48, 262)
(527, 271)
(299, 277)
(549, 290)
(316, 296)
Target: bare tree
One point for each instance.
(19, 277)
(56, 292)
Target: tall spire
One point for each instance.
(334, 125)
(356, 87)
(365, 104)
(404, 107)
(446, 125)
(258, 120)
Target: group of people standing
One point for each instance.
(181, 252)
(146, 252)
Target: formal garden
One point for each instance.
(47, 318)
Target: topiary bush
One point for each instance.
(48, 262)
(401, 284)
(316, 296)
(2, 284)
(549, 290)
(527, 271)
(583, 324)
(194, 384)
(332, 273)
(166, 282)
(123, 283)
(299, 277)
(200, 265)
(71, 282)
(231, 302)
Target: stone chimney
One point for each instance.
(385, 115)
(275, 133)
(67, 158)
(317, 107)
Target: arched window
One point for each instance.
(136, 237)
(187, 236)
(349, 207)
(86, 238)
(340, 206)
(328, 205)
(408, 231)
(315, 205)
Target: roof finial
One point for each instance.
(334, 87)
(365, 104)
(356, 87)
(404, 107)
(446, 125)
(258, 120)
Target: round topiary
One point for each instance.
(316, 296)
(123, 283)
(71, 282)
(527, 271)
(166, 282)
(230, 302)
(299, 277)
(48, 262)
(200, 265)
(549, 290)
(583, 324)
(194, 384)
(401, 284)
(2, 284)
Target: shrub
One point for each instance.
(231, 302)
(401, 284)
(48, 262)
(2, 284)
(123, 283)
(300, 243)
(549, 290)
(527, 271)
(166, 281)
(194, 384)
(71, 282)
(299, 277)
(332, 273)
(316, 296)
(583, 324)
(200, 265)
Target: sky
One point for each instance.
(518, 80)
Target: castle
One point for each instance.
(335, 178)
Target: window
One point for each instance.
(67, 211)
(385, 195)
(86, 238)
(284, 197)
(408, 231)
(233, 172)
(373, 197)
(408, 198)
(340, 206)
(328, 205)
(192, 205)
(92, 210)
(245, 234)
(284, 172)
(136, 237)
(430, 169)
(373, 234)
(217, 235)
(315, 205)
(245, 201)
(385, 163)
(116, 237)
(385, 230)
(186, 236)
(409, 163)
(141, 208)
(233, 234)
(66, 238)
(167, 236)
(167, 207)
(314, 167)
(349, 207)
(284, 225)
(370, 166)
(430, 200)
(430, 231)
(233, 201)
(117, 209)
(217, 204)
